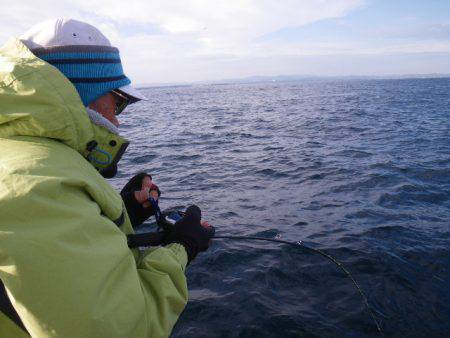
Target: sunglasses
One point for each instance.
(121, 101)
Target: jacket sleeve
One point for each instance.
(164, 286)
(70, 272)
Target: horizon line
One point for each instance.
(287, 78)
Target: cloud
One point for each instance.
(149, 32)
(220, 26)
(187, 40)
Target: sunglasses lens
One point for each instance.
(122, 102)
(121, 107)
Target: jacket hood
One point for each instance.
(36, 99)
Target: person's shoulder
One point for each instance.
(44, 158)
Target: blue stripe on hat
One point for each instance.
(90, 70)
(89, 92)
(87, 55)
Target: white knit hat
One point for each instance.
(49, 35)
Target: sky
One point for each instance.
(174, 41)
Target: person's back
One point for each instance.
(64, 260)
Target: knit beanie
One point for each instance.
(93, 70)
(83, 54)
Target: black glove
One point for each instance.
(190, 233)
(137, 212)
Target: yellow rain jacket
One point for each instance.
(64, 259)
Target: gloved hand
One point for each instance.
(135, 195)
(189, 232)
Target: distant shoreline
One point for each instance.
(283, 79)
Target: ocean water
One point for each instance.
(360, 169)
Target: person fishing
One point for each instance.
(65, 267)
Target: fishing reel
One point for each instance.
(168, 218)
(165, 221)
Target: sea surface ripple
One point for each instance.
(358, 168)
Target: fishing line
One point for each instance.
(167, 220)
(320, 252)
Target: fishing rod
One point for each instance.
(167, 219)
